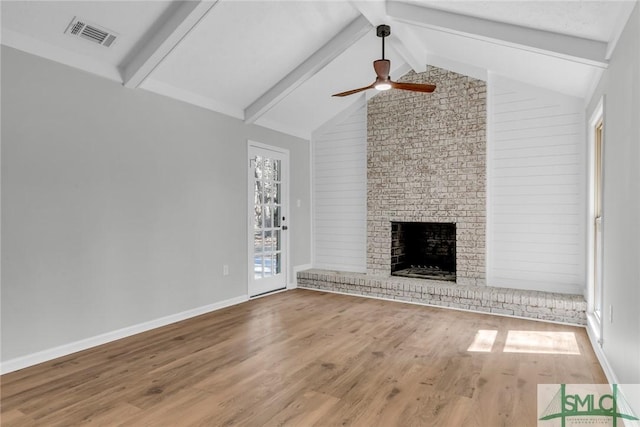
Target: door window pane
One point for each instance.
(257, 242)
(268, 192)
(268, 218)
(276, 240)
(267, 169)
(267, 266)
(276, 170)
(257, 217)
(268, 241)
(276, 193)
(258, 171)
(276, 216)
(277, 263)
(257, 267)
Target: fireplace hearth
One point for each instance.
(425, 250)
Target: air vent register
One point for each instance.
(91, 32)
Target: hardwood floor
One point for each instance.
(305, 358)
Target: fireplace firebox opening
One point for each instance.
(425, 250)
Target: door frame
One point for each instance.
(285, 212)
(595, 265)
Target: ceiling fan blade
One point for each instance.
(415, 87)
(351, 92)
(382, 67)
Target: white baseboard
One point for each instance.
(602, 358)
(73, 347)
(293, 282)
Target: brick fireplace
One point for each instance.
(426, 163)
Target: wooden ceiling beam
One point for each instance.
(162, 42)
(589, 52)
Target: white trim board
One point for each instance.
(602, 358)
(84, 344)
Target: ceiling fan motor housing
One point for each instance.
(383, 30)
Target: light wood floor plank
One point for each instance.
(304, 358)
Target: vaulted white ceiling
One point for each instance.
(277, 62)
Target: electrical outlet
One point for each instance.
(225, 270)
(611, 314)
(298, 203)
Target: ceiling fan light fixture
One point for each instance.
(382, 67)
(383, 82)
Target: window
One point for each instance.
(597, 218)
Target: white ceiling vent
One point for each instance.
(94, 33)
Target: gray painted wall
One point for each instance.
(621, 210)
(120, 206)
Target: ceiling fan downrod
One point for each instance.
(383, 31)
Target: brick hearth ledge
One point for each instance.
(548, 306)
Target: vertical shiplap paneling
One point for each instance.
(536, 189)
(340, 193)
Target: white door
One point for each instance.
(268, 215)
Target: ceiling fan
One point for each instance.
(382, 67)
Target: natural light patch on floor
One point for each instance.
(483, 341)
(542, 342)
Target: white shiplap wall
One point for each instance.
(340, 192)
(536, 188)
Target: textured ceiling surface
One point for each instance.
(277, 62)
(241, 49)
(593, 20)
